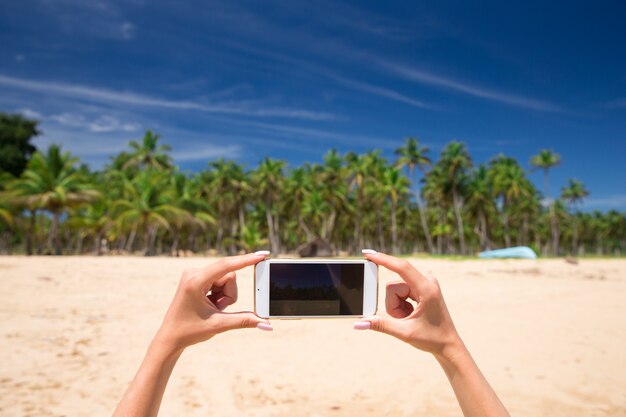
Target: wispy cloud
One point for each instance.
(381, 92)
(97, 18)
(201, 152)
(327, 73)
(100, 124)
(426, 78)
(246, 108)
(617, 103)
(615, 201)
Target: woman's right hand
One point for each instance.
(427, 325)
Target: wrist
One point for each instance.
(453, 354)
(165, 346)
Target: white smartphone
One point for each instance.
(315, 288)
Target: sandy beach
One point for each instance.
(550, 337)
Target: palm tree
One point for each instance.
(229, 188)
(95, 219)
(148, 206)
(375, 196)
(395, 185)
(510, 183)
(573, 194)
(412, 155)
(545, 160)
(299, 185)
(251, 238)
(195, 215)
(357, 170)
(333, 183)
(480, 202)
(52, 182)
(148, 153)
(436, 193)
(456, 160)
(268, 180)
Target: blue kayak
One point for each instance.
(523, 252)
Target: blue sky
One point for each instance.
(290, 80)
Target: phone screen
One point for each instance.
(316, 289)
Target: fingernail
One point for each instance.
(262, 253)
(265, 326)
(368, 252)
(362, 325)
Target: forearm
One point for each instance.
(473, 392)
(143, 396)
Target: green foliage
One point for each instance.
(16, 133)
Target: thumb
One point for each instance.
(381, 324)
(242, 320)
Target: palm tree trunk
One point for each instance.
(151, 236)
(242, 219)
(174, 247)
(270, 226)
(233, 232)
(131, 240)
(394, 230)
(484, 240)
(277, 232)
(220, 235)
(505, 223)
(56, 238)
(459, 220)
(575, 237)
(554, 226)
(379, 227)
(30, 236)
(429, 239)
(79, 242)
(98, 243)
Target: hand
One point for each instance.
(197, 311)
(428, 325)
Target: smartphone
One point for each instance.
(315, 288)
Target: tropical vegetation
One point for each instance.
(141, 203)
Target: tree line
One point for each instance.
(141, 202)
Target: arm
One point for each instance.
(429, 327)
(196, 314)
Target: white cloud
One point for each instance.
(133, 99)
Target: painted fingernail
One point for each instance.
(362, 325)
(262, 253)
(368, 252)
(265, 326)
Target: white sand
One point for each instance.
(550, 337)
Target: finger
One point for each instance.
(229, 264)
(241, 320)
(395, 299)
(224, 291)
(382, 324)
(400, 266)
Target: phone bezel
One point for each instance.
(262, 296)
